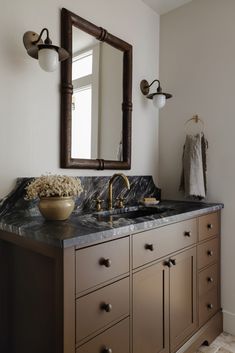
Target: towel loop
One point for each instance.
(196, 120)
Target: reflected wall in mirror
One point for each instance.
(97, 98)
(96, 84)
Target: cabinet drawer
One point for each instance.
(208, 225)
(100, 263)
(208, 279)
(208, 305)
(208, 253)
(116, 339)
(153, 244)
(98, 309)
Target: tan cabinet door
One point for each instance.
(150, 310)
(183, 319)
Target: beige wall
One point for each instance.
(197, 65)
(30, 102)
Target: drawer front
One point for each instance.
(98, 309)
(208, 305)
(208, 253)
(208, 279)
(153, 244)
(100, 263)
(208, 225)
(115, 339)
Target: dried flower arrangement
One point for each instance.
(53, 185)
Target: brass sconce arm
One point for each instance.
(147, 86)
(47, 40)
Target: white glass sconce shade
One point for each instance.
(159, 100)
(48, 59)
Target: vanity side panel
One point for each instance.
(4, 298)
(34, 298)
(33, 325)
(69, 299)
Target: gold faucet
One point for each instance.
(110, 197)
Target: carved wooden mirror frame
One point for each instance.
(68, 20)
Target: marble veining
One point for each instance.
(93, 187)
(84, 227)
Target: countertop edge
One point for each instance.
(105, 235)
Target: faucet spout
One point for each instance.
(110, 197)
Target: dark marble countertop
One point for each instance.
(84, 229)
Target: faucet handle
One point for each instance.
(98, 203)
(120, 202)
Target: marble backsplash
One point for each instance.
(93, 187)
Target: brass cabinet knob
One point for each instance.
(149, 247)
(209, 225)
(210, 253)
(105, 262)
(210, 306)
(168, 263)
(106, 307)
(107, 350)
(210, 279)
(187, 234)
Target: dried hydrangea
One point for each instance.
(53, 185)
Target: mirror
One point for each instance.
(96, 86)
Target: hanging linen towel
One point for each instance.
(193, 178)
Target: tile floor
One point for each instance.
(224, 343)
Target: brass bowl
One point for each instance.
(56, 208)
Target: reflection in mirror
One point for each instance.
(97, 98)
(96, 92)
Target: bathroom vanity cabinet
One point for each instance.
(154, 291)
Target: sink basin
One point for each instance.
(131, 213)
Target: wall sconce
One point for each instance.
(47, 54)
(158, 97)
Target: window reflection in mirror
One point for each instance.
(97, 98)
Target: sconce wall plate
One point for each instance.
(28, 39)
(144, 86)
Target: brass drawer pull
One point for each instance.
(149, 247)
(106, 307)
(105, 262)
(210, 253)
(210, 279)
(168, 263)
(209, 225)
(187, 234)
(210, 306)
(107, 350)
